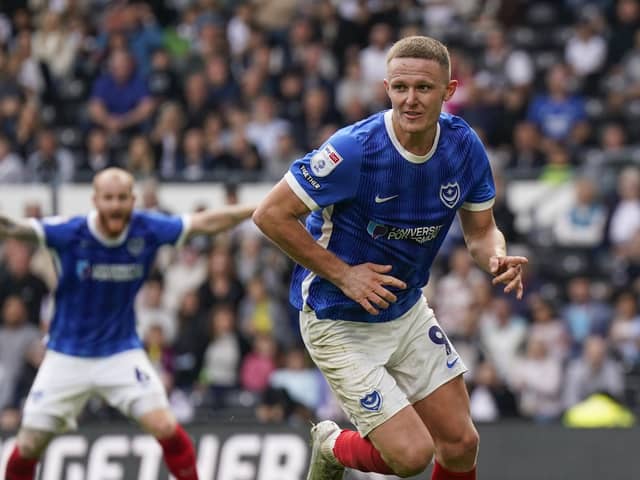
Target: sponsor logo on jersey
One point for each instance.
(372, 401)
(135, 246)
(421, 235)
(450, 194)
(325, 160)
(307, 176)
(107, 272)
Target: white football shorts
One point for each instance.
(377, 369)
(64, 383)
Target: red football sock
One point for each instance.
(356, 452)
(441, 473)
(20, 468)
(179, 455)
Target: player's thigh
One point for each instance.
(446, 414)
(129, 383)
(352, 357)
(425, 359)
(58, 394)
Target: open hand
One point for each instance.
(508, 270)
(365, 284)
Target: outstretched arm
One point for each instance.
(278, 216)
(488, 248)
(20, 230)
(217, 220)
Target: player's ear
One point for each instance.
(385, 82)
(450, 90)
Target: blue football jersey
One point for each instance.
(98, 279)
(374, 201)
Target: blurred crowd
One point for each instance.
(215, 90)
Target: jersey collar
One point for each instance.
(92, 223)
(406, 154)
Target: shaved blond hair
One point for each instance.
(419, 46)
(112, 174)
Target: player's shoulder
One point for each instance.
(349, 141)
(455, 126)
(70, 222)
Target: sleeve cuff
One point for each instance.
(186, 229)
(478, 207)
(300, 192)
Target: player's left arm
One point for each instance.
(210, 222)
(487, 246)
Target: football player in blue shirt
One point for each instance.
(102, 259)
(382, 194)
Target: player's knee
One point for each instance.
(160, 424)
(32, 443)
(462, 453)
(412, 461)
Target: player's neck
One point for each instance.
(418, 143)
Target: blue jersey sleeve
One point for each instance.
(482, 194)
(328, 175)
(55, 232)
(168, 229)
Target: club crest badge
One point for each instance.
(450, 194)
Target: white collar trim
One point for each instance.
(92, 223)
(411, 157)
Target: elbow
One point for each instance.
(262, 217)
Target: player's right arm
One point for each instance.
(278, 216)
(20, 230)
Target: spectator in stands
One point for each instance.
(221, 284)
(243, 155)
(55, 45)
(490, 398)
(223, 89)
(537, 380)
(625, 215)
(195, 163)
(582, 223)
(160, 353)
(264, 128)
(558, 168)
(547, 328)
(140, 160)
(196, 100)
(586, 52)
(373, 56)
(259, 364)
(286, 152)
(16, 279)
(302, 383)
(352, 88)
(455, 291)
(50, 162)
(120, 100)
(222, 357)
(261, 314)
(11, 166)
(624, 334)
(624, 26)
(191, 342)
(558, 114)
(584, 315)
(98, 155)
(166, 138)
(19, 347)
(186, 273)
(527, 154)
(163, 83)
(503, 336)
(151, 311)
(594, 372)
